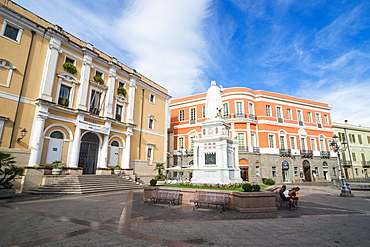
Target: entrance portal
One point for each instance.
(89, 153)
(306, 171)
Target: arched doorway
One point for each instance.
(307, 171)
(55, 147)
(89, 153)
(113, 157)
(244, 169)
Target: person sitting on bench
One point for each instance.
(288, 195)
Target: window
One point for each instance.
(368, 139)
(309, 114)
(278, 114)
(98, 73)
(6, 72)
(57, 135)
(292, 142)
(203, 111)
(11, 31)
(318, 119)
(192, 115)
(326, 119)
(296, 171)
(70, 60)
(313, 145)
(289, 113)
(2, 120)
(226, 109)
(64, 95)
(354, 157)
(151, 122)
(282, 142)
(191, 142)
(268, 110)
(181, 142)
(299, 115)
(271, 141)
(274, 171)
(119, 113)
(363, 157)
(359, 139)
(241, 140)
(239, 109)
(95, 102)
(121, 84)
(303, 143)
(253, 140)
(352, 138)
(152, 98)
(149, 153)
(181, 115)
(334, 172)
(251, 108)
(322, 147)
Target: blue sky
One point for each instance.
(315, 49)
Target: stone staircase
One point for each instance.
(83, 184)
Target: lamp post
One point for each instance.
(338, 148)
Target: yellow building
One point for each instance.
(73, 102)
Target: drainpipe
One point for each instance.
(21, 89)
(141, 121)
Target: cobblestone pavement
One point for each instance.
(122, 219)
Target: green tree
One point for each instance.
(8, 169)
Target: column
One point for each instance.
(37, 135)
(50, 66)
(104, 153)
(108, 112)
(76, 144)
(83, 93)
(131, 94)
(126, 151)
(249, 136)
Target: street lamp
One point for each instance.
(338, 148)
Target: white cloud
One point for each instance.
(164, 38)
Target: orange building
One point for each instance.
(280, 137)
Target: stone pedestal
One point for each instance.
(215, 155)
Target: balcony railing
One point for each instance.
(324, 154)
(300, 123)
(346, 163)
(256, 150)
(226, 116)
(95, 111)
(118, 117)
(280, 120)
(242, 115)
(193, 121)
(319, 125)
(306, 153)
(243, 149)
(285, 152)
(365, 164)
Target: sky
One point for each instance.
(313, 49)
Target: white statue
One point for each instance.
(213, 101)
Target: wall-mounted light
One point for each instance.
(23, 134)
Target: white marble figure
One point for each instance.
(213, 101)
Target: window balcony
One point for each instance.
(285, 152)
(256, 150)
(300, 123)
(252, 116)
(324, 154)
(365, 164)
(319, 125)
(346, 163)
(226, 116)
(94, 111)
(240, 115)
(193, 121)
(280, 120)
(243, 149)
(306, 153)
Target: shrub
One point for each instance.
(70, 68)
(153, 182)
(160, 177)
(247, 187)
(256, 188)
(98, 79)
(8, 170)
(269, 181)
(121, 90)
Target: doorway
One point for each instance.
(307, 171)
(244, 169)
(89, 149)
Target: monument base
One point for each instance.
(216, 176)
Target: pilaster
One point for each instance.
(126, 151)
(83, 93)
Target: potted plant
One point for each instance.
(160, 177)
(121, 91)
(117, 169)
(57, 168)
(63, 101)
(98, 79)
(70, 68)
(8, 172)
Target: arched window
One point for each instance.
(114, 144)
(6, 71)
(57, 135)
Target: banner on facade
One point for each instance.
(93, 127)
